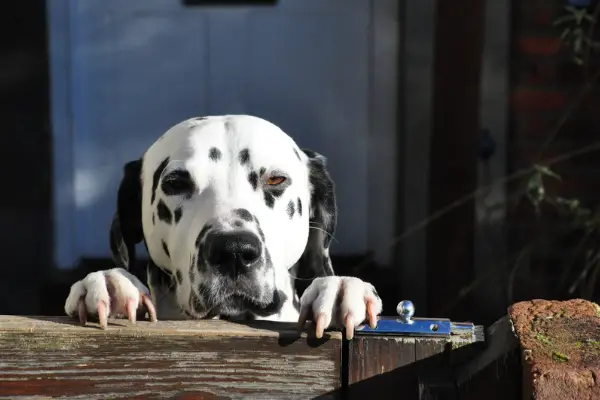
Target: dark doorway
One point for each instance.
(25, 209)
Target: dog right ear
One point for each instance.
(126, 228)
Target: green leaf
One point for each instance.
(579, 16)
(544, 170)
(571, 9)
(565, 33)
(571, 204)
(535, 190)
(563, 19)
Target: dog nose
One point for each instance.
(232, 249)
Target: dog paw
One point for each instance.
(111, 293)
(339, 301)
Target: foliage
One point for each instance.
(577, 23)
(579, 233)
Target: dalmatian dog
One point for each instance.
(237, 221)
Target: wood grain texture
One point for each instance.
(407, 367)
(52, 357)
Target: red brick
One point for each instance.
(557, 347)
(529, 73)
(548, 71)
(544, 15)
(532, 99)
(533, 45)
(532, 125)
(540, 15)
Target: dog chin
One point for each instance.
(241, 304)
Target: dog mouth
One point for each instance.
(239, 303)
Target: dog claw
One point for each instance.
(82, 312)
(320, 330)
(131, 310)
(349, 325)
(103, 314)
(372, 314)
(150, 307)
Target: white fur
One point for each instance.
(320, 297)
(93, 289)
(220, 188)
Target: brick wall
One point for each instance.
(544, 84)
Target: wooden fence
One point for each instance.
(46, 357)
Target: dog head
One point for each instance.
(232, 209)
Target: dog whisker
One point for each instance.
(299, 279)
(324, 231)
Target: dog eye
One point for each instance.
(176, 183)
(275, 180)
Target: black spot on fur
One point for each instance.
(262, 171)
(315, 260)
(268, 260)
(158, 276)
(322, 196)
(326, 261)
(164, 214)
(277, 192)
(270, 195)
(202, 234)
(291, 209)
(238, 223)
(269, 200)
(195, 302)
(375, 293)
(192, 268)
(260, 233)
(153, 219)
(253, 179)
(199, 119)
(214, 154)
(297, 154)
(156, 178)
(243, 214)
(177, 183)
(179, 277)
(166, 249)
(244, 156)
(299, 207)
(178, 214)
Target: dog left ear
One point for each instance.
(315, 261)
(126, 228)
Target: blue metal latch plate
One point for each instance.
(405, 325)
(417, 327)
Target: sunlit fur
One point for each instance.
(223, 186)
(205, 178)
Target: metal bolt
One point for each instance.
(406, 310)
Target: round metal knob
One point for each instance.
(406, 310)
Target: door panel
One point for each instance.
(140, 66)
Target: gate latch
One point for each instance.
(405, 325)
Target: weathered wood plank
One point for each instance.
(494, 373)
(413, 368)
(371, 362)
(42, 356)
